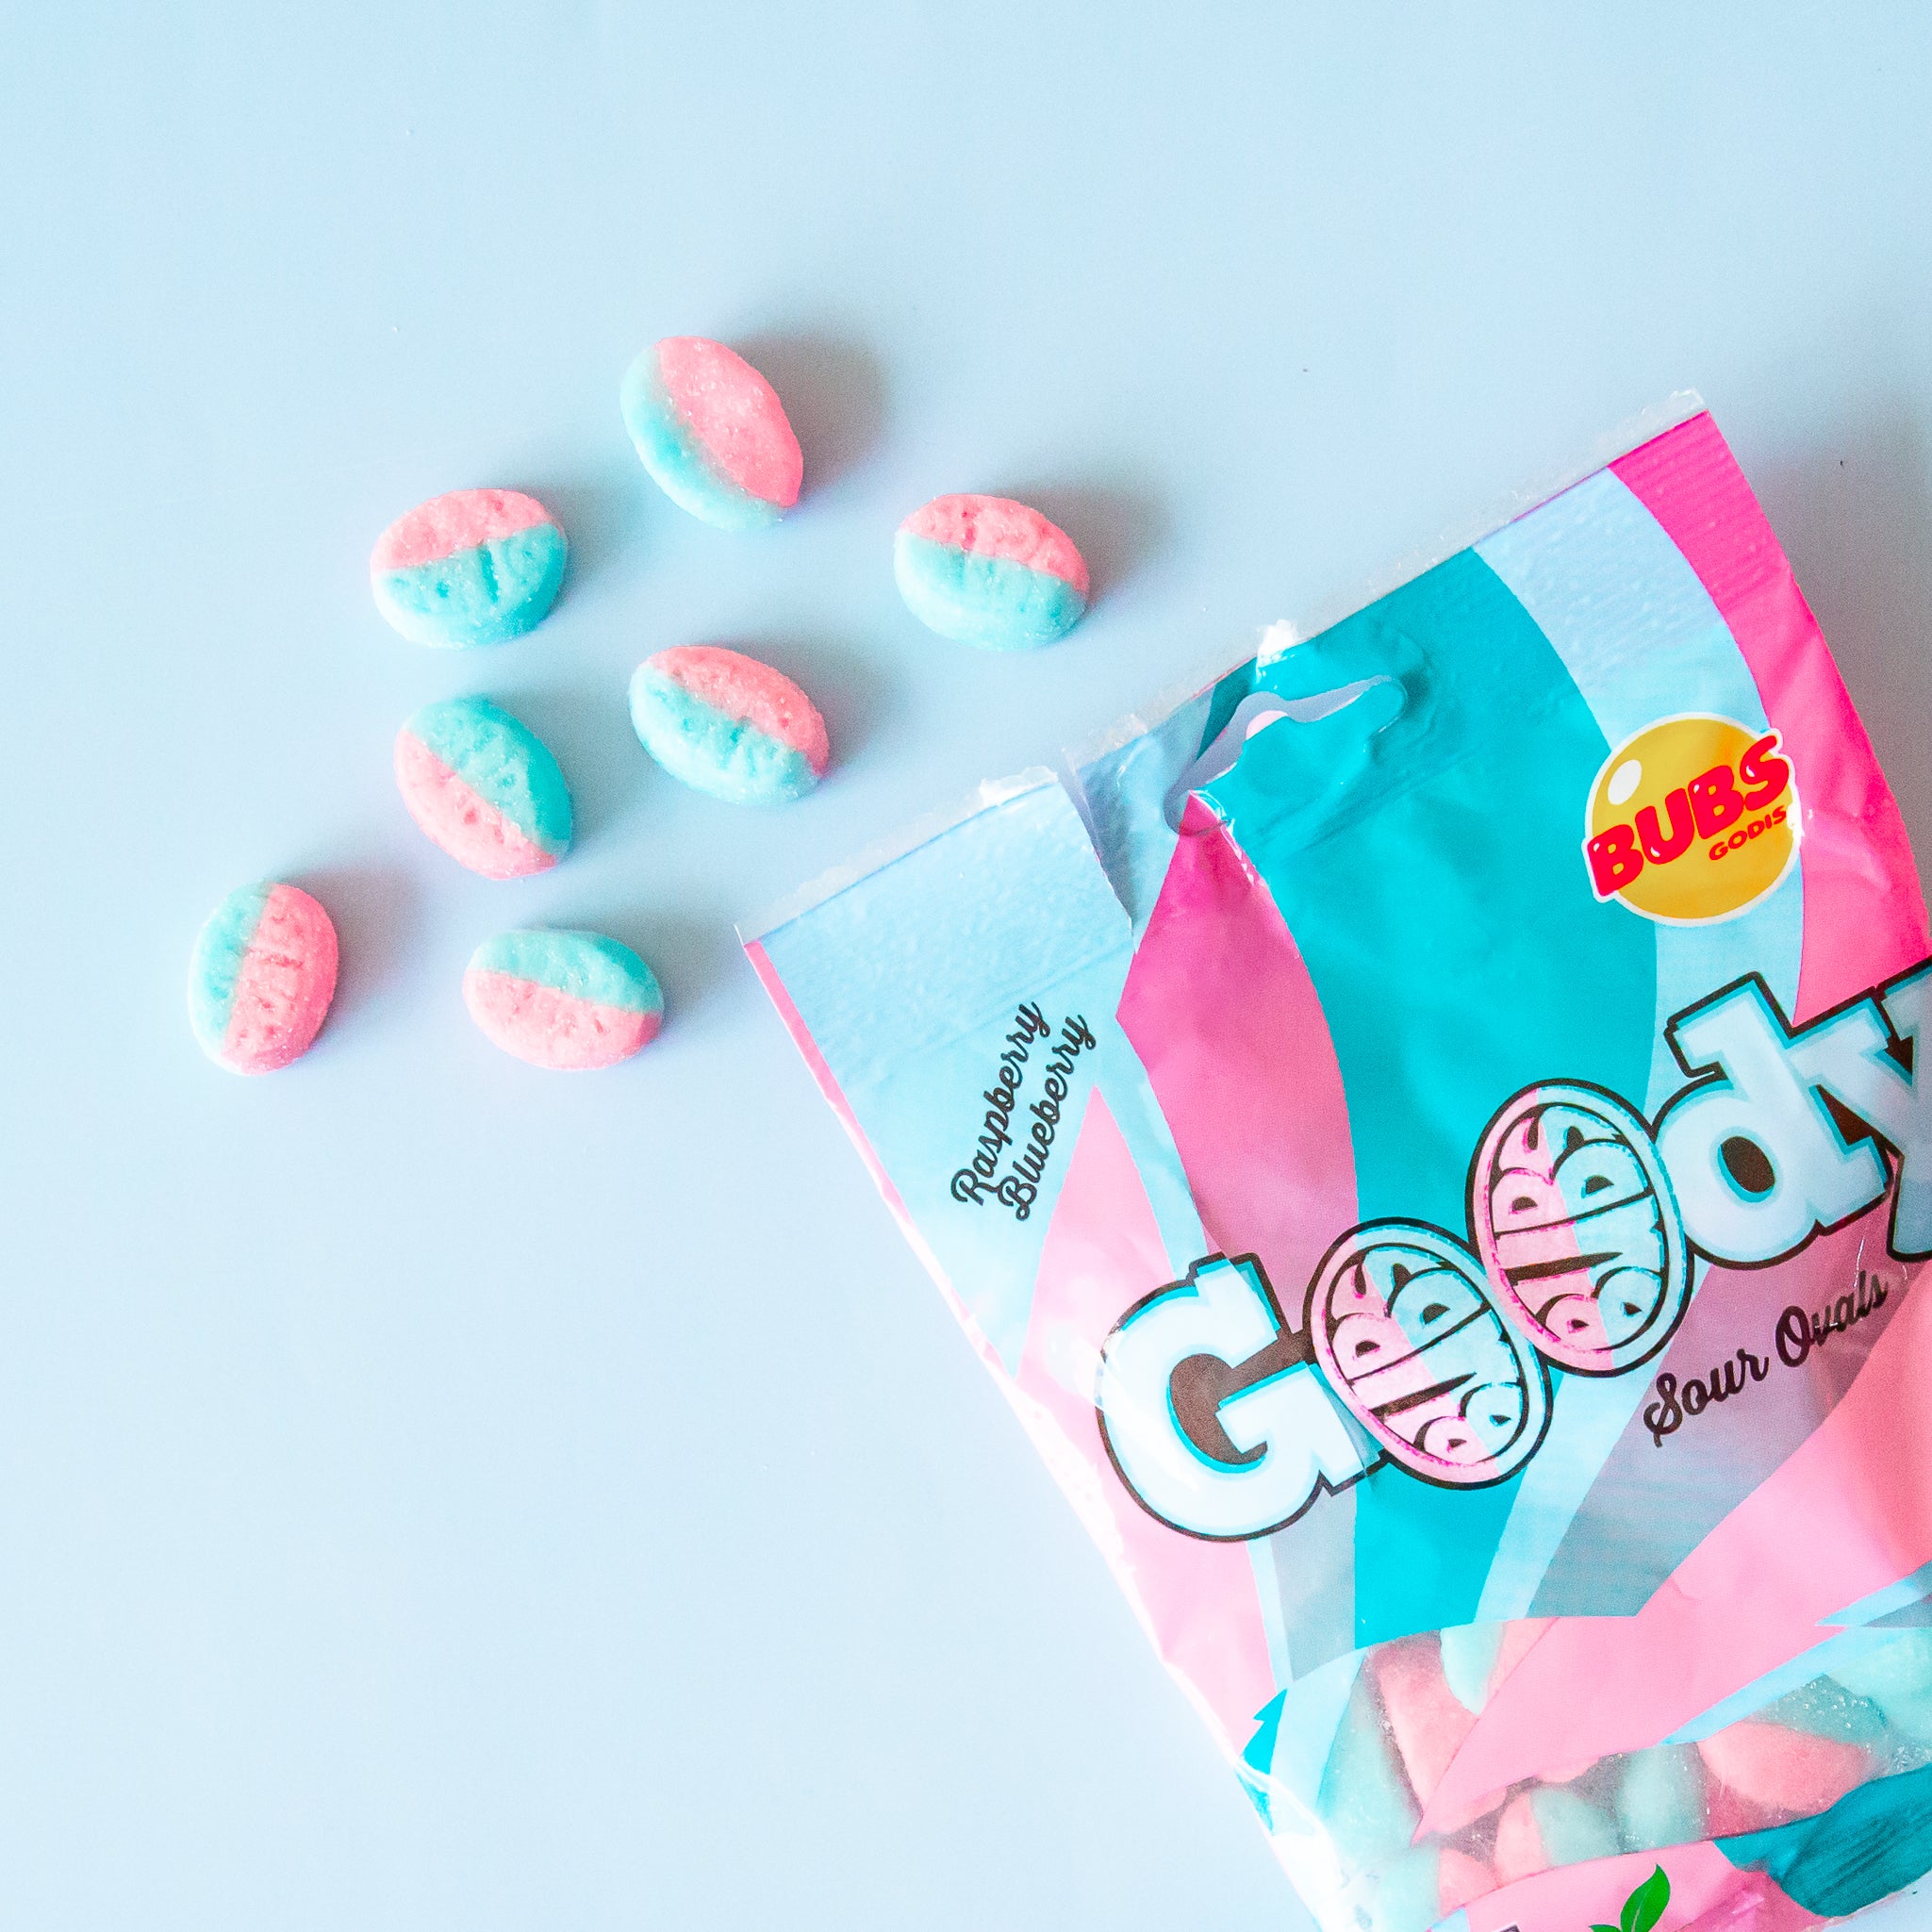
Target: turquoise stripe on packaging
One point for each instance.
(1427, 864)
(1638, 632)
(1639, 635)
(1873, 1842)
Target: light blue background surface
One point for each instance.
(437, 1495)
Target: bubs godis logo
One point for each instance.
(1694, 818)
(1227, 1414)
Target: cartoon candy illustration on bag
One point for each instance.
(1578, 1228)
(1417, 1346)
(1439, 1348)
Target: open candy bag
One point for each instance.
(1431, 1144)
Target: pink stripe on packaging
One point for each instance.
(1103, 1251)
(1218, 983)
(1849, 1512)
(1857, 928)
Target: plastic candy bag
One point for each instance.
(1431, 1144)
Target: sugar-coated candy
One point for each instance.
(1476, 1658)
(261, 978)
(1548, 1826)
(474, 567)
(485, 786)
(712, 432)
(986, 570)
(729, 725)
(1827, 1710)
(1426, 1718)
(1896, 1675)
(1425, 1884)
(1783, 1773)
(1363, 1798)
(563, 1000)
(1469, 1654)
(1661, 1797)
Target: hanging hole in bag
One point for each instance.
(1258, 712)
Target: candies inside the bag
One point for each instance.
(1427, 1721)
(1425, 1884)
(1364, 1799)
(726, 724)
(1575, 1218)
(1781, 1772)
(1767, 1785)
(566, 1000)
(485, 787)
(986, 570)
(1659, 1797)
(712, 432)
(261, 979)
(1549, 1826)
(474, 567)
(1895, 1676)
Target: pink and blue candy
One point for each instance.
(986, 570)
(1547, 1826)
(727, 725)
(1895, 1672)
(261, 978)
(1661, 1797)
(474, 567)
(712, 432)
(566, 1000)
(1424, 1885)
(485, 786)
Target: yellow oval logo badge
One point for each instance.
(1694, 818)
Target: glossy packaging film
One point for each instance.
(1431, 1146)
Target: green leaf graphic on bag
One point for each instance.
(1645, 1907)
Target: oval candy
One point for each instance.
(1412, 1340)
(566, 1000)
(729, 725)
(1576, 1225)
(986, 570)
(712, 432)
(474, 567)
(485, 787)
(261, 976)
(1547, 1826)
